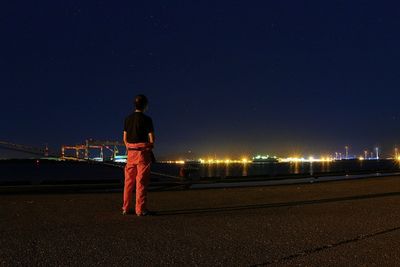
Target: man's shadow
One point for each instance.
(273, 205)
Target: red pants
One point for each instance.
(137, 173)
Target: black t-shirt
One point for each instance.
(138, 126)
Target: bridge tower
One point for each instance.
(46, 151)
(87, 150)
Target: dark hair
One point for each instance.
(141, 102)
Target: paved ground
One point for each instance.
(344, 223)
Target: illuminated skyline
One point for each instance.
(223, 77)
(360, 155)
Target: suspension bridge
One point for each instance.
(80, 151)
(27, 149)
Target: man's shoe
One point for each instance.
(127, 212)
(147, 213)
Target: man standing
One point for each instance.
(139, 141)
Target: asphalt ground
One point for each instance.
(340, 223)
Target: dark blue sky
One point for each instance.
(223, 77)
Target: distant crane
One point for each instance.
(93, 144)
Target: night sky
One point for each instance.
(230, 78)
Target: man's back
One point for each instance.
(138, 126)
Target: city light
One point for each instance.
(222, 161)
(180, 162)
(365, 155)
(245, 160)
(309, 159)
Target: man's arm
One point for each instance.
(124, 138)
(152, 138)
